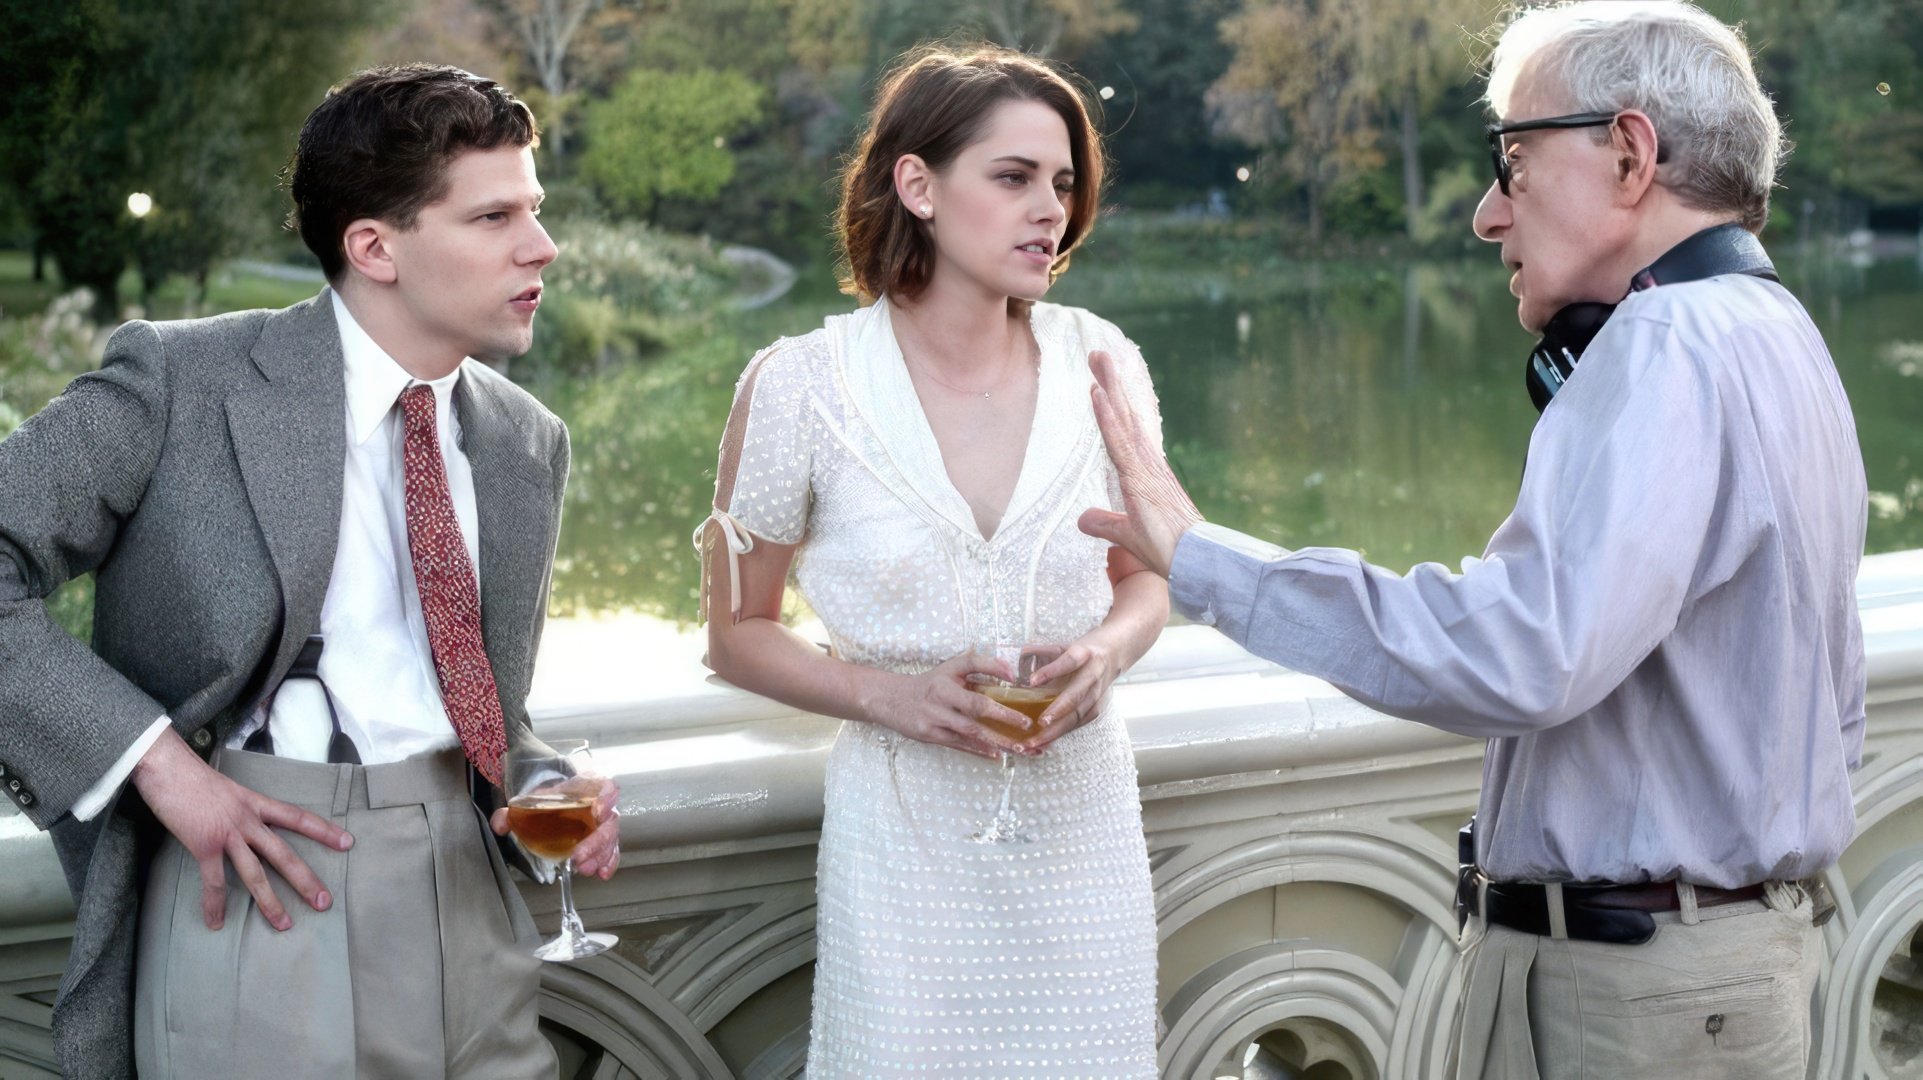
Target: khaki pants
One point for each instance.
(423, 966)
(1724, 998)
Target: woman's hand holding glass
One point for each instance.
(1083, 671)
(938, 706)
(1020, 687)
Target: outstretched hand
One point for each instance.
(1157, 511)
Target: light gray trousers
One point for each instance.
(422, 967)
(1726, 997)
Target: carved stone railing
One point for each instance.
(1303, 850)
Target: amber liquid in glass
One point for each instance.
(1030, 702)
(550, 823)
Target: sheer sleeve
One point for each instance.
(761, 487)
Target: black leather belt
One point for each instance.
(1607, 912)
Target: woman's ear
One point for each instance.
(915, 185)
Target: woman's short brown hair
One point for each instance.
(933, 103)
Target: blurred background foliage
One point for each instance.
(1286, 230)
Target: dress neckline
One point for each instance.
(884, 391)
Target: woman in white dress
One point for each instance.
(920, 465)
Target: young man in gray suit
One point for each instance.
(321, 540)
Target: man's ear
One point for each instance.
(1635, 142)
(365, 243)
(914, 185)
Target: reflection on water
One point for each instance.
(1375, 408)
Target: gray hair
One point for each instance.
(1686, 69)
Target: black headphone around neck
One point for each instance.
(1718, 250)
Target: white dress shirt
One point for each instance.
(376, 662)
(1662, 641)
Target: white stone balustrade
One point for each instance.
(1303, 849)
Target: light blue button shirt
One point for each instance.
(1661, 643)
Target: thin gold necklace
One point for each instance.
(951, 387)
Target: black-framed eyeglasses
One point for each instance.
(1499, 157)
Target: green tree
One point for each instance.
(1413, 53)
(1164, 150)
(666, 133)
(1856, 147)
(1293, 87)
(565, 43)
(815, 61)
(193, 102)
(56, 139)
(1046, 27)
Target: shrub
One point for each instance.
(620, 291)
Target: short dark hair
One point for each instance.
(379, 145)
(933, 103)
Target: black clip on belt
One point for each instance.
(1525, 907)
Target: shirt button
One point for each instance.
(13, 785)
(26, 798)
(203, 738)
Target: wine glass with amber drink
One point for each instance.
(1028, 698)
(550, 810)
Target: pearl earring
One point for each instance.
(926, 209)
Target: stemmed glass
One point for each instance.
(550, 811)
(1023, 696)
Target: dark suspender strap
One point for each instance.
(340, 749)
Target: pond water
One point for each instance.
(1379, 408)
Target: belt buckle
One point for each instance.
(1821, 899)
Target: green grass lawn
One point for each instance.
(227, 290)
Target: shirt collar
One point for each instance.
(375, 380)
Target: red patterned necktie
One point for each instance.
(450, 600)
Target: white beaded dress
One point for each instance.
(938, 956)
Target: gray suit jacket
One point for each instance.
(198, 476)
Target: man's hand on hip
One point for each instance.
(1157, 510)
(218, 821)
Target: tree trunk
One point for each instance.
(547, 33)
(1411, 327)
(1314, 191)
(39, 256)
(1006, 21)
(106, 300)
(554, 79)
(1411, 161)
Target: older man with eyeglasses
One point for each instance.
(1661, 643)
